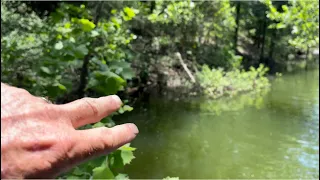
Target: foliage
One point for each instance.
(60, 45)
(301, 17)
(105, 167)
(47, 53)
(217, 82)
(70, 50)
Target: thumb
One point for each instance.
(101, 141)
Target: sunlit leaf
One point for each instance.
(61, 87)
(130, 13)
(102, 172)
(45, 70)
(127, 108)
(122, 176)
(87, 25)
(58, 45)
(127, 156)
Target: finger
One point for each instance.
(90, 110)
(99, 141)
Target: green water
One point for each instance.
(274, 134)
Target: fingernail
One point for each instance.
(117, 99)
(133, 128)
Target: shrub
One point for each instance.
(217, 82)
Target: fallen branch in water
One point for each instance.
(185, 67)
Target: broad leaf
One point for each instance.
(130, 13)
(45, 70)
(81, 51)
(87, 25)
(102, 172)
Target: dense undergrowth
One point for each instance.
(217, 82)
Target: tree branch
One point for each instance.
(84, 69)
(185, 67)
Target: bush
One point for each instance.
(46, 56)
(217, 82)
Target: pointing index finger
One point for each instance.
(90, 110)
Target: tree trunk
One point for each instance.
(273, 36)
(263, 38)
(237, 25)
(270, 61)
(84, 69)
(307, 57)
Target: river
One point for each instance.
(272, 134)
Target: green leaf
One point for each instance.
(102, 172)
(118, 64)
(121, 111)
(106, 82)
(114, 84)
(97, 161)
(130, 13)
(127, 147)
(57, 16)
(61, 87)
(81, 51)
(127, 73)
(98, 124)
(122, 156)
(123, 68)
(67, 25)
(113, 11)
(58, 45)
(116, 21)
(87, 25)
(122, 176)
(77, 171)
(127, 156)
(94, 33)
(280, 26)
(115, 160)
(45, 70)
(108, 122)
(127, 108)
(73, 177)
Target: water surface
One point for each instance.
(272, 134)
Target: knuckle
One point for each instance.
(108, 138)
(20, 93)
(91, 105)
(51, 111)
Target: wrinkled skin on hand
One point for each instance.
(40, 140)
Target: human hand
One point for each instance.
(40, 140)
